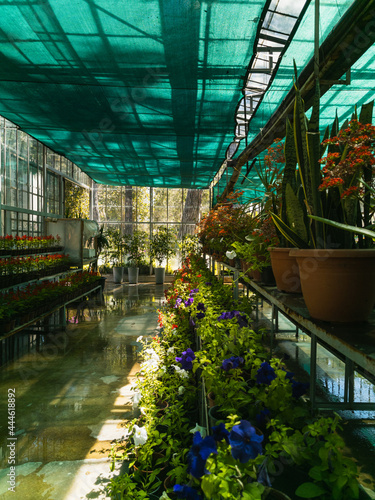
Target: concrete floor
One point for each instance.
(73, 395)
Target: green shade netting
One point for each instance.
(340, 98)
(138, 92)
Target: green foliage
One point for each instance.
(77, 201)
(189, 244)
(135, 247)
(163, 244)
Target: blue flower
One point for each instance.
(194, 291)
(265, 374)
(245, 442)
(198, 454)
(189, 301)
(241, 319)
(185, 491)
(219, 432)
(299, 388)
(186, 359)
(201, 307)
(263, 416)
(178, 302)
(208, 283)
(232, 362)
(200, 315)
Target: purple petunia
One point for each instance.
(191, 323)
(188, 302)
(265, 374)
(193, 291)
(186, 359)
(198, 454)
(232, 362)
(200, 315)
(245, 442)
(220, 433)
(241, 318)
(186, 492)
(178, 302)
(263, 416)
(299, 388)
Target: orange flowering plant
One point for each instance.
(227, 222)
(326, 200)
(348, 170)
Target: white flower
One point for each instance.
(151, 354)
(181, 390)
(231, 255)
(198, 428)
(163, 369)
(180, 372)
(170, 350)
(149, 366)
(140, 435)
(140, 338)
(136, 399)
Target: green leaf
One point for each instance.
(365, 115)
(310, 490)
(295, 214)
(345, 227)
(288, 233)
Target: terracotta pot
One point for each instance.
(285, 270)
(337, 285)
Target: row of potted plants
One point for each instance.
(316, 214)
(263, 428)
(21, 306)
(129, 251)
(16, 245)
(14, 270)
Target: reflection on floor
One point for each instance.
(359, 428)
(73, 393)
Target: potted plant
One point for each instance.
(135, 247)
(117, 245)
(337, 270)
(102, 243)
(162, 247)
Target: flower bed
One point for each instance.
(206, 341)
(37, 299)
(21, 245)
(14, 270)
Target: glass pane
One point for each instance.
(143, 204)
(160, 201)
(113, 204)
(175, 205)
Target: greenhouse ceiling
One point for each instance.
(150, 92)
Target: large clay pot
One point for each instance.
(159, 275)
(133, 274)
(285, 270)
(337, 285)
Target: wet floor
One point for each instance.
(73, 395)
